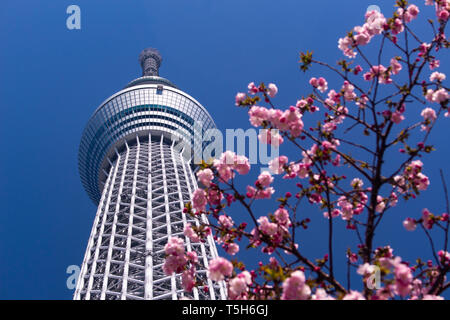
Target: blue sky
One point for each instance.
(52, 79)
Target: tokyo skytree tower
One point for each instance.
(131, 168)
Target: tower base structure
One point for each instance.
(141, 206)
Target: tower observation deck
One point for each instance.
(131, 169)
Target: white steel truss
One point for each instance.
(141, 205)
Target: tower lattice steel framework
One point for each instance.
(131, 167)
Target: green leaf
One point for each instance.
(305, 59)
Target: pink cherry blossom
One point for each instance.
(414, 175)
(357, 69)
(381, 205)
(333, 98)
(409, 14)
(393, 199)
(437, 76)
(443, 15)
(348, 90)
(322, 85)
(295, 288)
(301, 104)
(225, 171)
(357, 183)
(313, 81)
(214, 196)
(265, 193)
(199, 200)
(241, 164)
(192, 256)
(329, 127)
(270, 136)
(346, 208)
(397, 26)
(228, 162)
(434, 64)
(346, 46)
(175, 246)
(174, 264)
(352, 257)
(321, 294)
(282, 217)
(350, 208)
(266, 227)
(410, 224)
(302, 170)
(290, 120)
(336, 161)
(265, 179)
(296, 128)
(427, 218)
(429, 95)
(334, 213)
(428, 114)
(188, 279)
(175, 259)
(259, 193)
(240, 97)
(374, 22)
(397, 117)
(272, 90)
(414, 166)
(232, 249)
(276, 165)
(274, 118)
(379, 71)
(239, 284)
(396, 66)
(353, 295)
(227, 158)
(205, 176)
(424, 47)
(440, 95)
(442, 9)
(315, 198)
(362, 36)
(190, 233)
(366, 269)
(444, 255)
(252, 89)
(413, 10)
(258, 115)
(368, 76)
(226, 221)
(219, 268)
(432, 297)
(403, 279)
(422, 182)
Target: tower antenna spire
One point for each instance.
(150, 60)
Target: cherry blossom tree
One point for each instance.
(375, 99)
